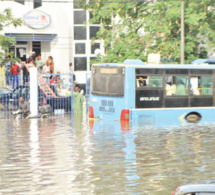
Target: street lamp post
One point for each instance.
(182, 31)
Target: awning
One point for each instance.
(32, 37)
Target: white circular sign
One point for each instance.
(37, 19)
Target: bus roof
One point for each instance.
(178, 66)
(160, 66)
(133, 62)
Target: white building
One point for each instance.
(54, 28)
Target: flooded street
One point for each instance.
(59, 156)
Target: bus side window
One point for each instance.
(181, 89)
(149, 81)
(141, 81)
(170, 89)
(155, 81)
(201, 85)
(195, 86)
(176, 85)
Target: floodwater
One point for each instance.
(58, 155)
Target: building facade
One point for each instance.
(54, 28)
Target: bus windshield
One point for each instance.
(108, 81)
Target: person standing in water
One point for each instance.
(78, 100)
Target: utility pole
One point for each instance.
(182, 31)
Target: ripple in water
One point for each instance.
(58, 155)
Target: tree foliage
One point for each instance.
(133, 30)
(7, 19)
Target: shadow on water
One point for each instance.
(65, 155)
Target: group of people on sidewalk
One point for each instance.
(14, 71)
(19, 74)
(9, 73)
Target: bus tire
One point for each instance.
(193, 117)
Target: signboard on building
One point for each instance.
(154, 58)
(37, 19)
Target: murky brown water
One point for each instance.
(57, 156)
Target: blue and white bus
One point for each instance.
(137, 91)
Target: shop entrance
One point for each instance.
(21, 52)
(36, 47)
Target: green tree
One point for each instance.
(7, 19)
(154, 27)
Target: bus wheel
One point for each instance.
(193, 117)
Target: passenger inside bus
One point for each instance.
(201, 85)
(195, 88)
(142, 81)
(149, 81)
(170, 89)
(180, 88)
(195, 91)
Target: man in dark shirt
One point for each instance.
(24, 107)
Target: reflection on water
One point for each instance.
(58, 155)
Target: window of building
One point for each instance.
(92, 58)
(37, 3)
(80, 48)
(79, 4)
(83, 33)
(80, 33)
(21, 43)
(21, 52)
(79, 17)
(80, 63)
(93, 31)
(91, 16)
(20, 1)
(94, 47)
(36, 47)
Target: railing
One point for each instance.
(55, 90)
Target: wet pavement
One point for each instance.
(61, 155)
